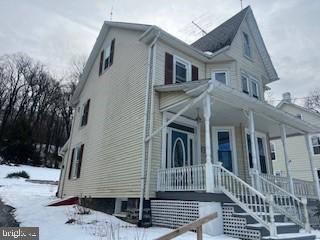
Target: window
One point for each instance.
(106, 57)
(75, 162)
(85, 114)
(254, 89)
(245, 87)
(299, 115)
(272, 151)
(250, 86)
(181, 70)
(246, 45)
(220, 77)
(315, 141)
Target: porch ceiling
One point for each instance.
(229, 107)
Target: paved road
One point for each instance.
(6, 217)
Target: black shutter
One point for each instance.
(87, 111)
(195, 73)
(71, 163)
(168, 72)
(111, 52)
(101, 62)
(80, 160)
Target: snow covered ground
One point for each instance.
(30, 201)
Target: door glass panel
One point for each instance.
(179, 149)
(191, 152)
(179, 153)
(249, 151)
(262, 155)
(224, 150)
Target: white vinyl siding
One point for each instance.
(297, 148)
(111, 166)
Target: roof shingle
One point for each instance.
(221, 36)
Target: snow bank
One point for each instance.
(30, 201)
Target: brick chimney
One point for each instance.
(286, 97)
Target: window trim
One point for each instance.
(311, 145)
(244, 34)
(75, 161)
(232, 135)
(250, 79)
(188, 68)
(226, 72)
(88, 101)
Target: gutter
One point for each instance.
(142, 187)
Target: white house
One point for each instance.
(184, 130)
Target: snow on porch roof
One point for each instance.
(241, 100)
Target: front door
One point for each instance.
(261, 152)
(223, 140)
(180, 145)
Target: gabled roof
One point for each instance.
(223, 35)
(284, 102)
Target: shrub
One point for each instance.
(22, 174)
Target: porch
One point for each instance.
(220, 122)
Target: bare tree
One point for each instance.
(312, 101)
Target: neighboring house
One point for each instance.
(169, 126)
(297, 149)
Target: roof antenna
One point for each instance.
(201, 29)
(241, 4)
(111, 12)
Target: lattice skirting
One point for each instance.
(236, 226)
(172, 213)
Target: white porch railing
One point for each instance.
(301, 188)
(259, 206)
(286, 203)
(304, 188)
(189, 178)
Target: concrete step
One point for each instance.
(282, 228)
(278, 217)
(292, 236)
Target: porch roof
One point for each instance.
(230, 106)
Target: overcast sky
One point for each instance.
(54, 31)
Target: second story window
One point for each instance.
(181, 70)
(245, 86)
(315, 141)
(273, 151)
(85, 113)
(106, 57)
(250, 86)
(255, 89)
(220, 76)
(246, 45)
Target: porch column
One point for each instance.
(313, 169)
(209, 168)
(255, 172)
(286, 158)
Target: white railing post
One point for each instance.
(313, 169)
(209, 168)
(273, 227)
(255, 171)
(286, 157)
(306, 214)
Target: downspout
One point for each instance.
(149, 157)
(65, 165)
(142, 187)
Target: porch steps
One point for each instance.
(233, 215)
